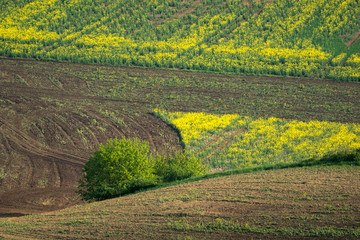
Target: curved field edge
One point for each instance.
(317, 201)
(53, 116)
(289, 38)
(50, 124)
(175, 90)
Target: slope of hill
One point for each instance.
(281, 37)
(299, 203)
(51, 121)
(53, 116)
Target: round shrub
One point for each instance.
(116, 167)
(126, 165)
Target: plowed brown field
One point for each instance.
(54, 115)
(49, 129)
(297, 203)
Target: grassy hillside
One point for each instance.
(54, 115)
(297, 38)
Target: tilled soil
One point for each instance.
(298, 203)
(48, 130)
(53, 115)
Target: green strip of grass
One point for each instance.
(222, 225)
(350, 158)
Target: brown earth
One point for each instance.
(54, 115)
(354, 40)
(298, 203)
(49, 126)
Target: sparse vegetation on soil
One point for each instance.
(321, 202)
(54, 115)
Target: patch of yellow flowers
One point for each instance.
(263, 141)
(230, 41)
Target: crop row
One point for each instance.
(293, 37)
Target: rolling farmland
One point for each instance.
(265, 92)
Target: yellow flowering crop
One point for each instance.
(283, 37)
(258, 142)
(195, 126)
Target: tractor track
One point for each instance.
(48, 133)
(24, 143)
(224, 144)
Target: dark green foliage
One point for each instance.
(115, 166)
(126, 165)
(139, 183)
(178, 167)
(345, 157)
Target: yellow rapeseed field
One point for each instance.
(291, 38)
(262, 141)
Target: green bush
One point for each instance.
(126, 165)
(139, 183)
(179, 166)
(115, 166)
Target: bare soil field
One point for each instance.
(48, 131)
(298, 203)
(53, 115)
